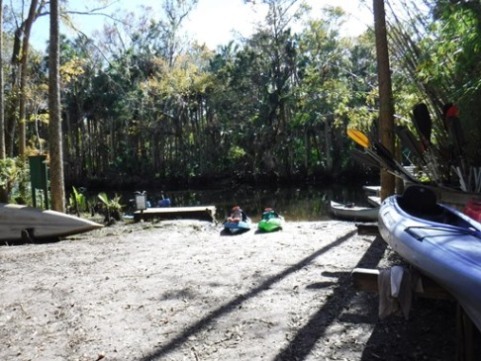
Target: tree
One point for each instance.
(20, 54)
(3, 191)
(56, 149)
(386, 105)
(324, 89)
(2, 97)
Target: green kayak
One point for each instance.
(271, 221)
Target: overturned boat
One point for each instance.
(29, 224)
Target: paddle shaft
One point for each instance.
(381, 154)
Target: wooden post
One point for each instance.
(386, 104)
(466, 335)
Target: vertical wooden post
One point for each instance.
(466, 334)
(386, 104)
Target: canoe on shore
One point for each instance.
(23, 223)
(440, 241)
(353, 213)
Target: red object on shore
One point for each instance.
(473, 209)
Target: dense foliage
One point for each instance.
(140, 105)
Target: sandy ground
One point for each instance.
(183, 291)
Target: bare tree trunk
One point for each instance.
(386, 105)
(328, 144)
(3, 153)
(22, 139)
(56, 151)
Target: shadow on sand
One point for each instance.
(420, 338)
(236, 302)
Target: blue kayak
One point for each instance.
(237, 227)
(440, 241)
(237, 222)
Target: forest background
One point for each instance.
(143, 106)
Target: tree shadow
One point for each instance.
(236, 302)
(307, 337)
(428, 334)
(28, 240)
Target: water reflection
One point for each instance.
(295, 204)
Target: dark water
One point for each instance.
(295, 204)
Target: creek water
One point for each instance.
(307, 203)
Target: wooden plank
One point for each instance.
(198, 212)
(375, 190)
(374, 201)
(365, 279)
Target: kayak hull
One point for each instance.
(271, 225)
(19, 222)
(237, 227)
(353, 212)
(442, 243)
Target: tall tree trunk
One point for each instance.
(19, 78)
(386, 105)
(56, 151)
(3, 154)
(328, 144)
(22, 139)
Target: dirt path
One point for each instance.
(182, 291)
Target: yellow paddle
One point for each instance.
(380, 153)
(359, 137)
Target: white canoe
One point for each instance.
(19, 222)
(353, 213)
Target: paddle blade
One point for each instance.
(422, 121)
(453, 127)
(359, 137)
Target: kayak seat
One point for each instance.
(421, 202)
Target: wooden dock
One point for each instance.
(204, 213)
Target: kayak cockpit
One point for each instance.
(421, 202)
